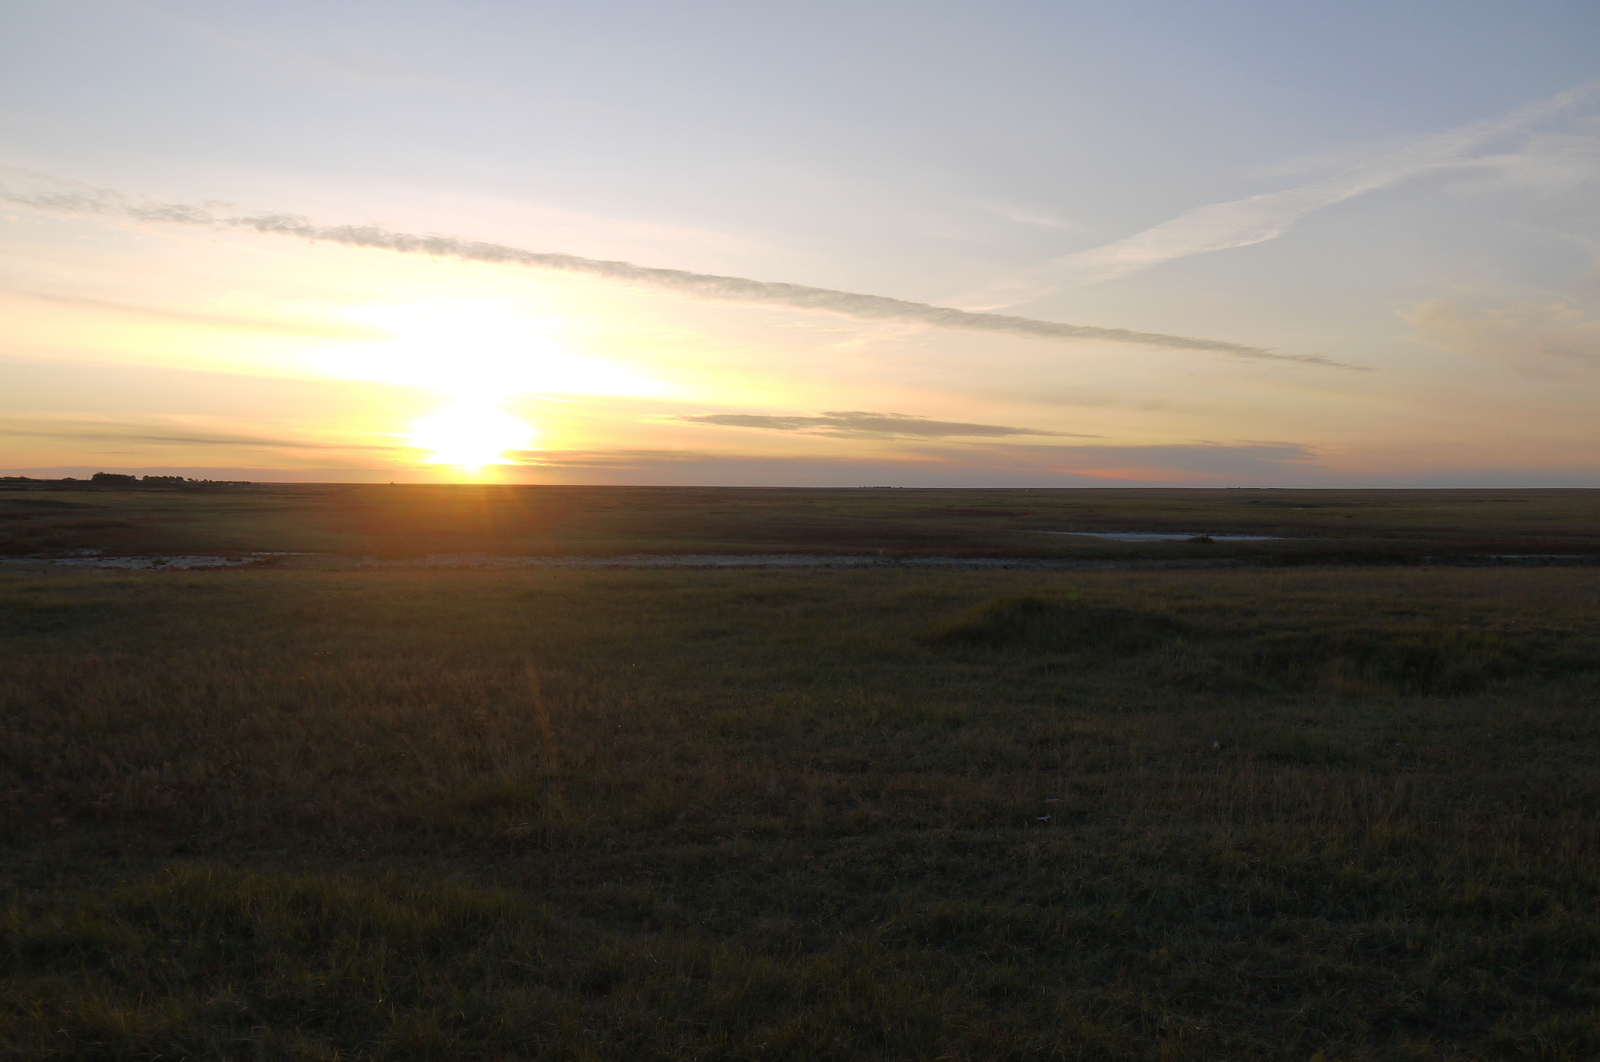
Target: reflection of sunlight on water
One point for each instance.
(468, 435)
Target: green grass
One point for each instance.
(892, 814)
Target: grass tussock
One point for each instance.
(1405, 659)
(1034, 624)
(892, 815)
(1344, 657)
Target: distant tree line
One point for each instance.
(122, 481)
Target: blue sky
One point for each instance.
(1406, 190)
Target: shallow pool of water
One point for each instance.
(1145, 536)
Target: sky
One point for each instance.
(1017, 244)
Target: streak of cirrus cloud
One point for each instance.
(859, 423)
(1259, 218)
(41, 191)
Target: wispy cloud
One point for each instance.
(167, 435)
(613, 459)
(1195, 462)
(1258, 218)
(857, 424)
(50, 193)
(326, 329)
(1552, 336)
(1028, 216)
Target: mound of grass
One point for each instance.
(1353, 658)
(1426, 660)
(1041, 625)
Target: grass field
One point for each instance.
(1257, 813)
(1309, 526)
(1284, 813)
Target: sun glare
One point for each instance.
(470, 435)
(481, 353)
(480, 360)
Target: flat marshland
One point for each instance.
(387, 521)
(1248, 813)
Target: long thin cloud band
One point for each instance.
(70, 197)
(1259, 218)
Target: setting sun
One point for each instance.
(470, 435)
